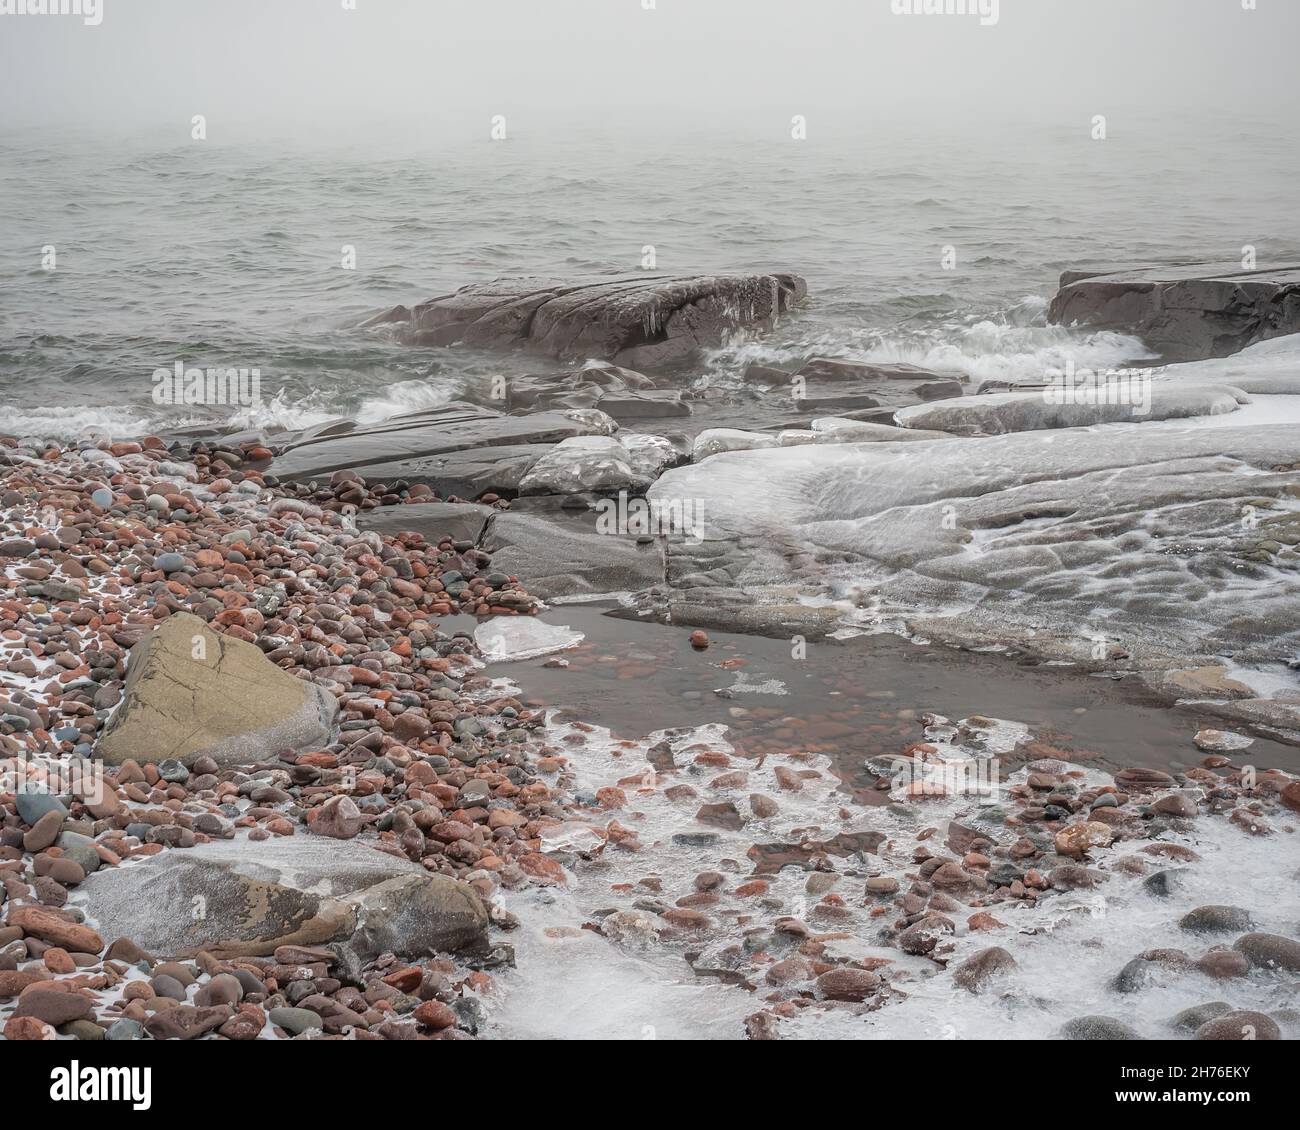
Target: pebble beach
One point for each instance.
(100, 547)
(612, 522)
(752, 873)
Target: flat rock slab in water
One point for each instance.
(242, 898)
(997, 413)
(641, 321)
(1189, 312)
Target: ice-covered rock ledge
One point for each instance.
(1148, 547)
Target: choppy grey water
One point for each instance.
(229, 255)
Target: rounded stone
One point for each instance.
(1217, 920)
(1242, 1025)
(1098, 1028)
(295, 1021)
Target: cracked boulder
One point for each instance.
(640, 321)
(191, 693)
(240, 898)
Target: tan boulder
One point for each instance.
(191, 692)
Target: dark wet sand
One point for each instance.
(856, 698)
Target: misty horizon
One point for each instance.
(313, 70)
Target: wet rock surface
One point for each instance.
(1185, 312)
(439, 447)
(640, 321)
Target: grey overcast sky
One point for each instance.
(316, 69)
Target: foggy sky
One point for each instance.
(316, 70)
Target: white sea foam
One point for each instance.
(1016, 346)
(66, 422)
(405, 396)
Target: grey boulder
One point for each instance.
(459, 521)
(1185, 312)
(565, 554)
(241, 898)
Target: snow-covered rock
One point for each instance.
(714, 441)
(795, 437)
(837, 429)
(824, 429)
(1269, 367)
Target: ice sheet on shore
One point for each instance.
(1174, 541)
(1068, 947)
(1193, 390)
(506, 639)
(1127, 401)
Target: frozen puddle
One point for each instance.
(725, 888)
(575, 984)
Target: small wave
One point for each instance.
(405, 396)
(280, 412)
(1012, 344)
